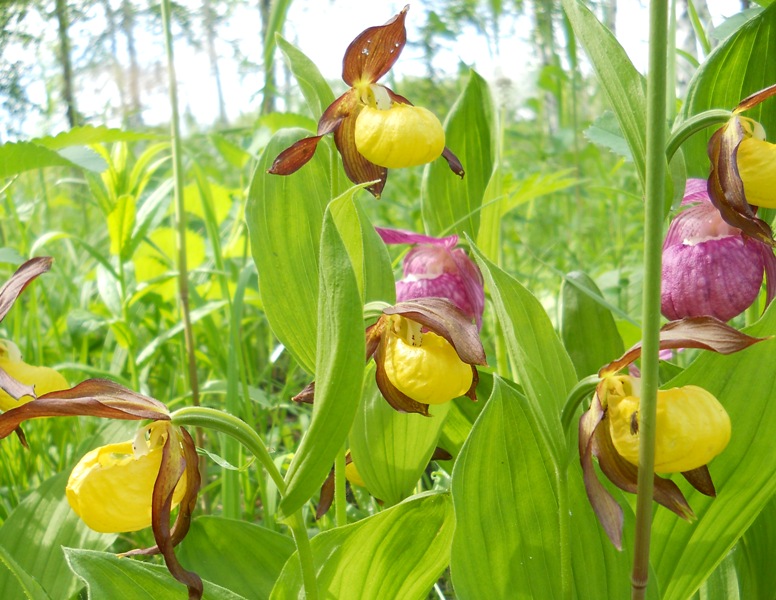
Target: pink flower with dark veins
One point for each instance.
(710, 267)
(434, 267)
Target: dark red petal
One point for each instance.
(453, 162)
(307, 395)
(756, 98)
(374, 51)
(295, 156)
(700, 479)
(357, 168)
(20, 279)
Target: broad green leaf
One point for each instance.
(741, 65)
(723, 584)
(120, 223)
(239, 556)
(605, 132)
(108, 576)
(538, 359)
(392, 449)
(623, 85)
(684, 554)
(754, 555)
(88, 134)
(35, 533)
(17, 582)
(371, 263)
(505, 492)
(19, 157)
(397, 553)
(284, 216)
(462, 415)
(449, 204)
(339, 370)
(587, 327)
(312, 84)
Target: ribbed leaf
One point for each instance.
(741, 65)
(587, 327)
(684, 554)
(450, 205)
(392, 449)
(239, 556)
(108, 576)
(284, 216)
(35, 533)
(312, 84)
(398, 553)
(754, 555)
(18, 583)
(339, 369)
(507, 531)
(542, 365)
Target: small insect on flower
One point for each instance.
(375, 129)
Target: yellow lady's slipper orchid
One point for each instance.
(44, 379)
(401, 136)
(756, 162)
(424, 365)
(692, 428)
(111, 487)
(352, 474)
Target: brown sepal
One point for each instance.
(700, 479)
(12, 387)
(295, 156)
(174, 463)
(307, 395)
(374, 51)
(756, 98)
(28, 271)
(726, 190)
(453, 162)
(326, 499)
(397, 399)
(444, 318)
(441, 454)
(91, 398)
(471, 393)
(706, 333)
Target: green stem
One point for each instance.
(566, 573)
(582, 390)
(653, 233)
(299, 531)
(696, 123)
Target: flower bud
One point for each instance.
(44, 379)
(692, 428)
(111, 487)
(423, 365)
(710, 267)
(401, 136)
(756, 163)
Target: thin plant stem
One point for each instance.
(340, 502)
(566, 574)
(653, 235)
(180, 213)
(305, 551)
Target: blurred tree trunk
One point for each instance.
(209, 18)
(118, 72)
(68, 94)
(268, 98)
(135, 113)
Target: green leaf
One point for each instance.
(587, 327)
(35, 533)
(339, 369)
(623, 85)
(284, 216)
(684, 554)
(87, 134)
(120, 224)
(314, 87)
(539, 360)
(504, 486)
(239, 556)
(449, 204)
(723, 584)
(397, 553)
(25, 585)
(105, 574)
(743, 64)
(19, 157)
(606, 132)
(392, 449)
(754, 555)
(371, 263)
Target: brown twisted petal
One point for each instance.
(754, 99)
(726, 189)
(357, 168)
(700, 479)
(453, 162)
(374, 51)
(20, 279)
(179, 455)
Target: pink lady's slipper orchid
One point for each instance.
(375, 129)
(710, 267)
(436, 268)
